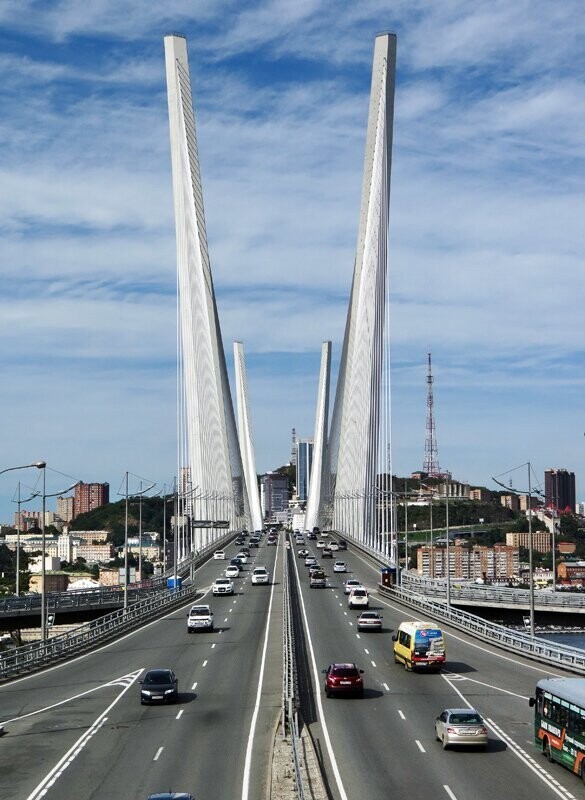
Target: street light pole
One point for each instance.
(126, 548)
(44, 558)
(531, 576)
(447, 486)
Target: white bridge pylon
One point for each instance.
(245, 436)
(208, 449)
(355, 498)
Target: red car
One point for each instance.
(343, 679)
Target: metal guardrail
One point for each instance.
(289, 677)
(563, 657)
(38, 655)
(460, 591)
(107, 595)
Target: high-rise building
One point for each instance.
(274, 493)
(304, 464)
(559, 489)
(89, 496)
(65, 509)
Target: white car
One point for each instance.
(260, 575)
(350, 584)
(222, 586)
(358, 598)
(320, 544)
(232, 571)
(340, 566)
(200, 619)
(243, 557)
(219, 555)
(334, 546)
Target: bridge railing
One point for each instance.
(569, 658)
(107, 595)
(290, 678)
(459, 590)
(38, 655)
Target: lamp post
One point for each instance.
(530, 568)
(43, 549)
(447, 487)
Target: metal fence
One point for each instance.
(289, 678)
(460, 590)
(38, 655)
(563, 657)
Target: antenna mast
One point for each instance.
(431, 462)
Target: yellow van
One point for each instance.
(419, 645)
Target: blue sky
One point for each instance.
(486, 225)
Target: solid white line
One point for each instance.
(122, 681)
(158, 752)
(75, 749)
(180, 714)
(318, 697)
(449, 792)
(512, 745)
(248, 760)
(420, 747)
(401, 714)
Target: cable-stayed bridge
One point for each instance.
(352, 466)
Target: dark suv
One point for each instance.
(343, 679)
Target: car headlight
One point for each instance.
(169, 691)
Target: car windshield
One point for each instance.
(222, 580)
(344, 672)
(369, 615)
(465, 719)
(158, 677)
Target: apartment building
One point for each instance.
(469, 563)
(541, 540)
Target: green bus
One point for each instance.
(559, 721)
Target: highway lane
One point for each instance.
(385, 742)
(101, 743)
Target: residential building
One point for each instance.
(572, 572)
(95, 553)
(89, 496)
(54, 582)
(479, 494)
(559, 489)
(304, 463)
(469, 563)
(274, 493)
(566, 548)
(541, 540)
(511, 501)
(65, 508)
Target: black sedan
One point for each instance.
(159, 686)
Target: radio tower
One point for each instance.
(431, 462)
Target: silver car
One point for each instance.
(456, 726)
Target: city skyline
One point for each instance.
(485, 213)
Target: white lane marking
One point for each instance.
(512, 745)
(316, 678)
(373, 663)
(226, 619)
(341, 604)
(158, 752)
(124, 680)
(194, 686)
(358, 636)
(204, 663)
(248, 760)
(213, 645)
(345, 612)
(455, 676)
(180, 714)
(231, 609)
(420, 747)
(449, 792)
(351, 623)
(75, 749)
(401, 714)
(366, 651)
